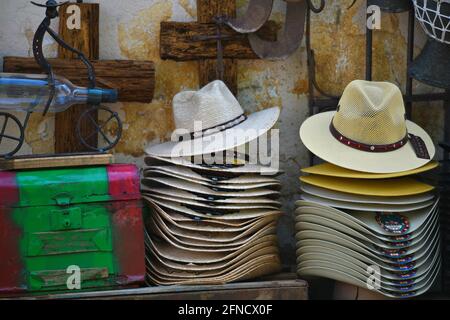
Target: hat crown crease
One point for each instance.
(371, 113)
(211, 106)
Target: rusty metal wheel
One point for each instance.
(99, 128)
(10, 143)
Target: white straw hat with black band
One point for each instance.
(212, 120)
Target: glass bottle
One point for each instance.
(30, 93)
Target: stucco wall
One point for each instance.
(130, 30)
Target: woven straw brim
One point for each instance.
(369, 207)
(383, 187)
(229, 171)
(316, 136)
(346, 224)
(336, 259)
(364, 243)
(389, 271)
(331, 170)
(256, 125)
(353, 198)
(417, 219)
(350, 279)
(352, 276)
(366, 249)
(327, 247)
(308, 222)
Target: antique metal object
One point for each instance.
(18, 137)
(292, 35)
(434, 16)
(258, 12)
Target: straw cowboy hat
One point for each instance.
(388, 271)
(331, 170)
(226, 169)
(181, 194)
(212, 214)
(354, 198)
(417, 221)
(209, 225)
(208, 192)
(359, 273)
(243, 185)
(191, 175)
(339, 275)
(309, 222)
(365, 207)
(369, 131)
(319, 259)
(212, 120)
(382, 187)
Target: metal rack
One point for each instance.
(326, 102)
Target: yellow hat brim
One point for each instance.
(381, 187)
(331, 170)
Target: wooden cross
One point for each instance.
(79, 27)
(178, 42)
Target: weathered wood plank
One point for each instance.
(207, 10)
(270, 290)
(31, 162)
(179, 41)
(85, 39)
(55, 278)
(135, 80)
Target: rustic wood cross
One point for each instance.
(180, 42)
(79, 27)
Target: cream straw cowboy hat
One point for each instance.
(381, 187)
(329, 169)
(212, 120)
(369, 131)
(354, 198)
(214, 168)
(373, 224)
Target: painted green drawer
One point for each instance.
(71, 229)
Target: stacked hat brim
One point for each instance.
(209, 224)
(362, 218)
(347, 228)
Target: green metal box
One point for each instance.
(71, 229)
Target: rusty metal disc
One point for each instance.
(11, 142)
(290, 39)
(258, 12)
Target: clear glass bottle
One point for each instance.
(30, 92)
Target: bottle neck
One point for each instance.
(80, 95)
(94, 96)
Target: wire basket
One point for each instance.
(434, 16)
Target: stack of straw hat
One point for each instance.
(210, 223)
(363, 219)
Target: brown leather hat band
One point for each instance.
(366, 147)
